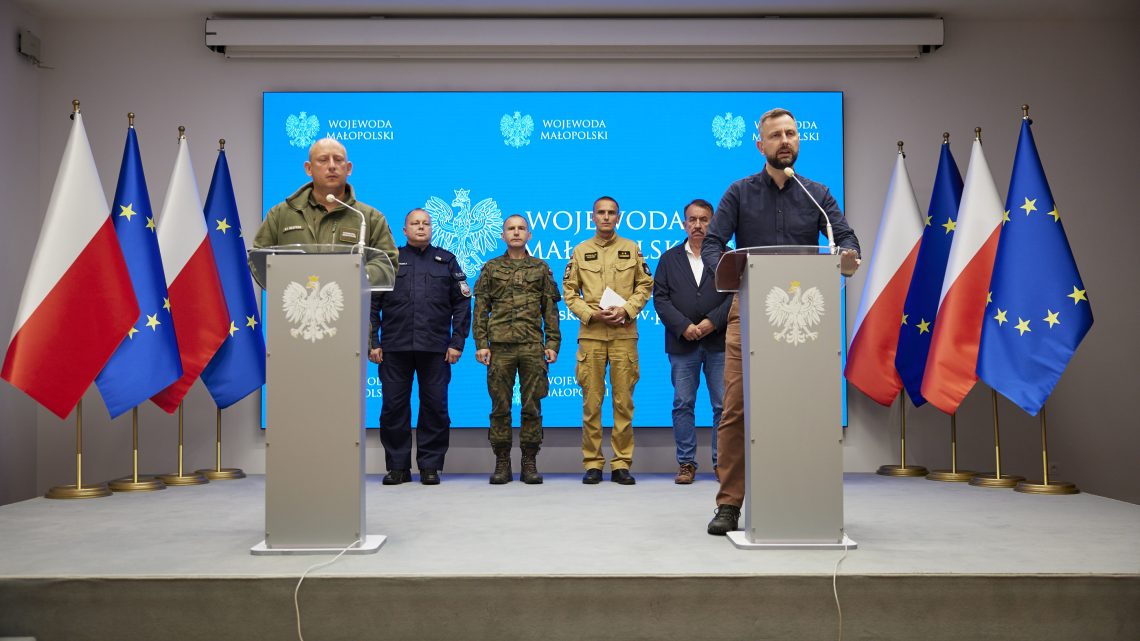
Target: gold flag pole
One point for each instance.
(136, 483)
(997, 479)
(1045, 486)
(219, 473)
(902, 469)
(180, 478)
(952, 475)
(79, 490)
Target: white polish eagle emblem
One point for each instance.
(312, 307)
(794, 311)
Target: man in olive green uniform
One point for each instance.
(309, 217)
(607, 336)
(516, 303)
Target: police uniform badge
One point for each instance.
(464, 289)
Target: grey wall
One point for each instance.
(1077, 76)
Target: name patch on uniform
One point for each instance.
(348, 235)
(438, 258)
(623, 253)
(292, 228)
(592, 255)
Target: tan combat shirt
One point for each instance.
(616, 263)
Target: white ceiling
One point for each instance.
(967, 9)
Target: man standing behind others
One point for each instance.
(764, 209)
(607, 336)
(695, 316)
(516, 332)
(423, 324)
(307, 217)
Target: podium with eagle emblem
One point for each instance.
(790, 316)
(316, 319)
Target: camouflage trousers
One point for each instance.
(528, 362)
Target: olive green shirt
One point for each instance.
(516, 301)
(616, 263)
(300, 220)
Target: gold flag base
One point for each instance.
(143, 484)
(1004, 481)
(1048, 487)
(950, 476)
(183, 479)
(98, 490)
(901, 470)
(224, 474)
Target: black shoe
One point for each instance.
(592, 477)
(429, 477)
(622, 477)
(725, 521)
(396, 477)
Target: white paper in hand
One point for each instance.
(610, 298)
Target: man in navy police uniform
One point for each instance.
(423, 323)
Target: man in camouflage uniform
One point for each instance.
(307, 217)
(607, 336)
(516, 301)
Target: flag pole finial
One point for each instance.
(221, 144)
(74, 106)
(901, 152)
(978, 134)
(131, 119)
(181, 132)
(1025, 112)
(946, 137)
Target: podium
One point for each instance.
(790, 315)
(316, 319)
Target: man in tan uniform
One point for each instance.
(607, 336)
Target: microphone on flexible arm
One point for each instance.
(360, 241)
(790, 173)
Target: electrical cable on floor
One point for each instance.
(297, 590)
(835, 588)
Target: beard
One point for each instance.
(782, 163)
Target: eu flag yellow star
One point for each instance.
(166, 304)
(1030, 205)
(1000, 318)
(989, 297)
(222, 226)
(152, 321)
(928, 219)
(251, 322)
(233, 329)
(904, 319)
(1022, 326)
(1078, 295)
(1005, 217)
(132, 332)
(128, 211)
(1055, 215)
(950, 225)
(150, 224)
(923, 327)
(1051, 318)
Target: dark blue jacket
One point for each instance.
(680, 301)
(429, 310)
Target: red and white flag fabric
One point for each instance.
(197, 304)
(871, 361)
(951, 367)
(78, 303)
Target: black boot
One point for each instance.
(530, 474)
(502, 473)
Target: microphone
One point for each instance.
(360, 241)
(830, 237)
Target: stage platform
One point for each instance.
(466, 560)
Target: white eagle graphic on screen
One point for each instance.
(302, 129)
(469, 232)
(516, 129)
(794, 311)
(312, 307)
(728, 130)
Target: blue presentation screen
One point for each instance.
(548, 156)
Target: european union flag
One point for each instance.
(929, 269)
(1039, 309)
(238, 367)
(147, 361)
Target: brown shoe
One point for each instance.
(686, 474)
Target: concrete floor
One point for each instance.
(468, 528)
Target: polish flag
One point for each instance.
(951, 367)
(871, 361)
(201, 321)
(78, 303)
